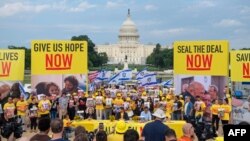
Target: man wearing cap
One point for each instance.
(156, 130)
(120, 128)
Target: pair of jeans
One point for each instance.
(53, 114)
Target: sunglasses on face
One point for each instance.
(173, 140)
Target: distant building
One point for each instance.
(128, 46)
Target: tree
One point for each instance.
(94, 59)
(162, 58)
(27, 56)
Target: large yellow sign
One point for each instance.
(11, 65)
(201, 57)
(59, 57)
(240, 65)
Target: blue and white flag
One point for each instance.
(22, 91)
(168, 83)
(92, 86)
(125, 75)
(148, 80)
(103, 75)
(141, 74)
(115, 79)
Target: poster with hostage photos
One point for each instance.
(59, 70)
(11, 74)
(54, 85)
(240, 87)
(199, 75)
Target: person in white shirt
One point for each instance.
(146, 114)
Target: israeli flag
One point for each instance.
(168, 83)
(148, 80)
(91, 87)
(22, 91)
(125, 75)
(103, 75)
(115, 79)
(141, 74)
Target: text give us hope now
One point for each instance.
(58, 61)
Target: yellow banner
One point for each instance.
(240, 65)
(201, 57)
(11, 64)
(59, 57)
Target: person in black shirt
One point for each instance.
(33, 107)
(156, 130)
(43, 126)
(177, 109)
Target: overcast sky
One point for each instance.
(158, 21)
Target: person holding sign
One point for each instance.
(99, 105)
(44, 106)
(9, 109)
(33, 114)
(22, 106)
(108, 105)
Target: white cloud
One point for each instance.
(201, 4)
(174, 31)
(111, 4)
(82, 7)
(206, 3)
(150, 7)
(228, 23)
(148, 23)
(10, 9)
(245, 10)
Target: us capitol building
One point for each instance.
(128, 46)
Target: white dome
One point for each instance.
(128, 31)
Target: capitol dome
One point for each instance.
(128, 31)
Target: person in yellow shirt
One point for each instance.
(99, 99)
(44, 106)
(118, 102)
(120, 128)
(199, 107)
(22, 106)
(214, 114)
(181, 99)
(67, 127)
(9, 109)
(227, 110)
(169, 107)
(171, 94)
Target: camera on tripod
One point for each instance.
(12, 126)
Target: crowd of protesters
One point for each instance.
(122, 102)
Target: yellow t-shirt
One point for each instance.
(214, 109)
(201, 108)
(227, 110)
(118, 102)
(44, 107)
(9, 109)
(66, 122)
(115, 137)
(169, 107)
(99, 102)
(21, 107)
